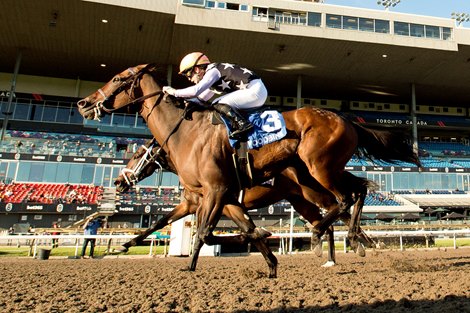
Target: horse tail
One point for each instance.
(386, 146)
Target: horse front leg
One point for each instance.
(181, 210)
(253, 234)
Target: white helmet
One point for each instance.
(191, 60)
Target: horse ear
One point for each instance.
(151, 67)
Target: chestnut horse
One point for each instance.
(147, 159)
(321, 140)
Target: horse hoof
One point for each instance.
(122, 249)
(329, 264)
(360, 250)
(262, 233)
(318, 250)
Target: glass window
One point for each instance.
(233, 6)
(417, 30)
(63, 170)
(333, 21)
(210, 4)
(221, 5)
(63, 114)
(366, 24)
(129, 120)
(11, 172)
(75, 117)
(23, 171)
(50, 172)
(37, 112)
(98, 176)
(446, 33)
(87, 174)
(244, 7)
(313, 19)
(49, 114)
(36, 172)
(118, 119)
(75, 173)
(432, 32)
(3, 171)
(350, 22)
(382, 26)
(194, 2)
(21, 111)
(402, 29)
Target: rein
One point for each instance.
(148, 155)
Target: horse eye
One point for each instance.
(116, 79)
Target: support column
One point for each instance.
(299, 91)
(413, 119)
(169, 74)
(10, 96)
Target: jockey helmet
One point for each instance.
(191, 60)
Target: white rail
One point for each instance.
(339, 235)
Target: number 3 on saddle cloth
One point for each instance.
(269, 126)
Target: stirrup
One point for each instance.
(238, 133)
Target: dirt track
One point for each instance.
(410, 281)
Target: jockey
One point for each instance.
(235, 88)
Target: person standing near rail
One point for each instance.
(90, 227)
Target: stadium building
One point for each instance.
(378, 67)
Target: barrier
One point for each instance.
(341, 235)
(35, 241)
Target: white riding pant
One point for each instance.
(253, 96)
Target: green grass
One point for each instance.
(70, 251)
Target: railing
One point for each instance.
(34, 241)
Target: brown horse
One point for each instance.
(147, 159)
(200, 152)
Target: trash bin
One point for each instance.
(43, 254)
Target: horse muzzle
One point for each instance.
(121, 185)
(88, 110)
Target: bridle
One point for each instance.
(123, 85)
(131, 176)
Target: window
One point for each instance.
(233, 6)
(323, 102)
(350, 22)
(431, 109)
(402, 29)
(194, 2)
(417, 30)
(366, 24)
(313, 19)
(210, 4)
(333, 21)
(355, 104)
(402, 107)
(445, 110)
(221, 5)
(459, 110)
(432, 32)
(446, 33)
(382, 26)
(387, 106)
(371, 105)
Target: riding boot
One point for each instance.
(238, 122)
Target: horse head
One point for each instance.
(145, 161)
(116, 95)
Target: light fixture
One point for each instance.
(104, 21)
(384, 55)
(103, 65)
(388, 3)
(460, 17)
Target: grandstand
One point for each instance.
(309, 54)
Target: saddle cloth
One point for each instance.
(269, 126)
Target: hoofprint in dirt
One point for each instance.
(384, 281)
